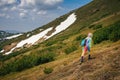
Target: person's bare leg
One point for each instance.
(82, 56)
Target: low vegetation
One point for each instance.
(70, 49)
(25, 62)
(48, 70)
(95, 27)
(111, 32)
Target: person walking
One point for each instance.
(86, 46)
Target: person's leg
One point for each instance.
(83, 52)
(89, 56)
(84, 49)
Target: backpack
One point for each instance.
(83, 42)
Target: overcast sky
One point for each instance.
(26, 15)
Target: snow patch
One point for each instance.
(14, 36)
(30, 40)
(2, 51)
(33, 38)
(28, 35)
(64, 25)
(40, 29)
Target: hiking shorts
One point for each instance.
(86, 48)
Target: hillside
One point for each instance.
(59, 50)
(105, 65)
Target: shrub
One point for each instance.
(115, 32)
(4, 57)
(44, 58)
(101, 35)
(49, 43)
(111, 32)
(26, 62)
(91, 26)
(70, 49)
(80, 37)
(95, 27)
(48, 70)
(114, 36)
(0, 49)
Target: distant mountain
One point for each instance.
(4, 34)
(8, 34)
(12, 31)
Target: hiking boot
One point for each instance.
(89, 57)
(81, 60)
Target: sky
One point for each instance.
(27, 15)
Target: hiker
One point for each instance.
(86, 45)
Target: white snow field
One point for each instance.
(14, 36)
(64, 25)
(30, 40)
(2, 51)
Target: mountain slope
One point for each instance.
(99, 17)
(103, 66)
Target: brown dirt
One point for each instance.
(9, 47)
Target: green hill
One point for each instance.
(58, 57)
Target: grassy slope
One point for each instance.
(105, 65)
(67, 66)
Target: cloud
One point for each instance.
(40, 4)
(10, 1)
(27, 3)
(8, 16)
(13, 8)
(5, 9)
(22, 15)
(23, 10)
(2, 14)
(7, 2)
(33, 18)
(52, 2)
(60, 8)
(41, 12)
(1, 27)
(34, 10)
(26, 8)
